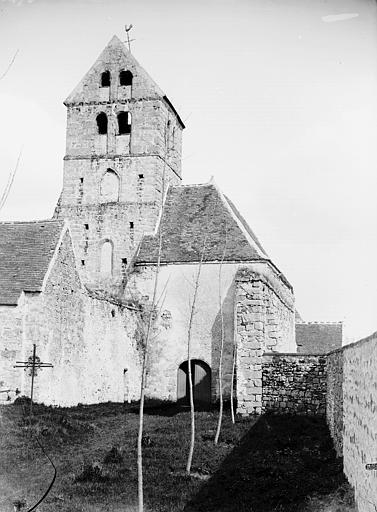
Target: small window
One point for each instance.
(105, 79)
(102, 123)
(131, 225)
(83, 263)
(124, 123)
(141, 176)
(86, 226)
(125, 78)
(81, 180)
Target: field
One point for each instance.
(265, 465)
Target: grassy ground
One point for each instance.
(271, 465)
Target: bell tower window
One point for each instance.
(125, 78)
(124, 123)
(105, 79)
(102, 123)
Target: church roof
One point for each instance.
(26, 249)
(196, 217)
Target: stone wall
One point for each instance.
(334, 401)
(294, 384)
(168, 347)
(264, 322)
(10, 349)
(87, 339)
(352, 382)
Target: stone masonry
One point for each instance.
(264, 322)
(352, 413)
(294, 384)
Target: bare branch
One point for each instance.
(10, 181)
(9, 65)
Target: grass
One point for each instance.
(270, 465)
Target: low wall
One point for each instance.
(294, 384)
(352, 415)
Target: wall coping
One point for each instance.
(295, 354)
(369, 338)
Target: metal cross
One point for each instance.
(33, 364)
(127, 28)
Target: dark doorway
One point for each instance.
(201, 380)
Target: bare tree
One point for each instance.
(152, 316)
(222, 336)
(189, 334)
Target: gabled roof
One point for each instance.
(197, 216)
(116, 57)
(26, 249)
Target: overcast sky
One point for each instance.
(279, 98)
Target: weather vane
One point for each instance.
(127, 28)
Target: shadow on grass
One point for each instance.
(277, 465)
(168, 409)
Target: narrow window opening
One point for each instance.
(83, 263)
(81, 180)
(105, 79)
(124, 123)
(113, 313)
(125, 78)
(124, 268)
(131, 225)
(106, 265)
(86, 226)
(102, 123)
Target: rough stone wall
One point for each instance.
(10, 349)
(264, 322)
(334, 399)
(351, 415)
(85, 338)
(360, 419)
(294, 384)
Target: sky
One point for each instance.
(279, 98)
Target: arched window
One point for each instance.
(124, 123)
(106, 263)
(125, 78)
(110, 186)
(105, 79)
(102, 123)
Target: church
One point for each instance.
(76, 285)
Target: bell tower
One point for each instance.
(123, 148)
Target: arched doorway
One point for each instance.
(201, 380)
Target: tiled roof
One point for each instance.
(195, 216)
(26, 249)
(318, 337)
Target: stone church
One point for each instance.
(75, 285)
